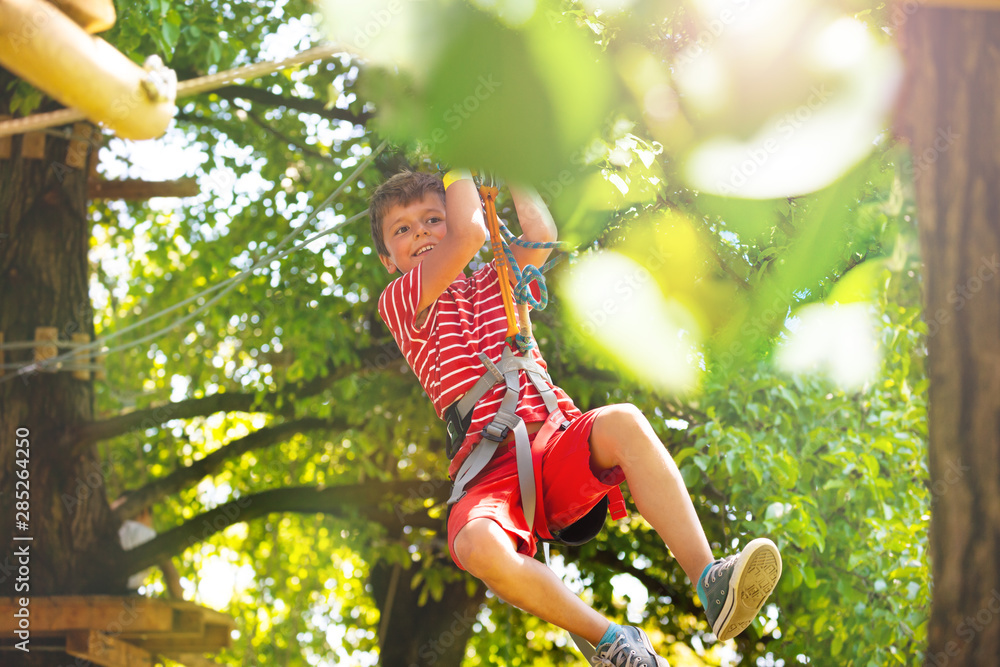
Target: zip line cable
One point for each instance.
(187, 88)
(225, 286)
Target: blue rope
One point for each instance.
(530, 273)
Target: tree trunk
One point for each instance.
(954, 85)
(433, 634)
(44, 239)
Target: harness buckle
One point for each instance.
(495, 433)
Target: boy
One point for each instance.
(445, 323)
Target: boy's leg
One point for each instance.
(621, 436)
(735, 588)
(487, 552)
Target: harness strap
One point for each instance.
(555, 422)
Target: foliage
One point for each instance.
(835, 476)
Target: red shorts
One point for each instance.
(570, 488)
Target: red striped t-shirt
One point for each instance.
(468, 318)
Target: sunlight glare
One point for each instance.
(838, 341)
(619, 305)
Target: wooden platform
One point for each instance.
(122, 631)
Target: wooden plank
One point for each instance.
(76, 152)
(102, 649)
(47, 338)
(112, 614)
(81, 358)
(33, 146)
(138, 190)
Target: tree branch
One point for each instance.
(264, 125)
(366, 500)
(93, 432)
(133, 501)
(372, 361)
(306, 105)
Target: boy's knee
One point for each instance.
(478, 548)
(618, 430)
(624, 412)
(619, 418)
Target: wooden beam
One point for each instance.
(102, 649)
(125, 631)
(46, 48)
(135, 189)
(114, 615)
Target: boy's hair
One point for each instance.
(402, 189)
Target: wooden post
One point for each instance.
(42, 352)
(33, 146)
(2, 362)
(81, 358)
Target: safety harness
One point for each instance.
(527, 454)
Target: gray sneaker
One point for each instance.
(735, 588)
(630, 648)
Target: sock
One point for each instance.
(609, 636)
(701, 589)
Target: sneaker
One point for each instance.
(630, 648)
(735, 588)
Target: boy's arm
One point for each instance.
(466, 235)
(536, 225)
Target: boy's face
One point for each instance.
(411, 231)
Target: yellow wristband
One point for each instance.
(456, 175)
